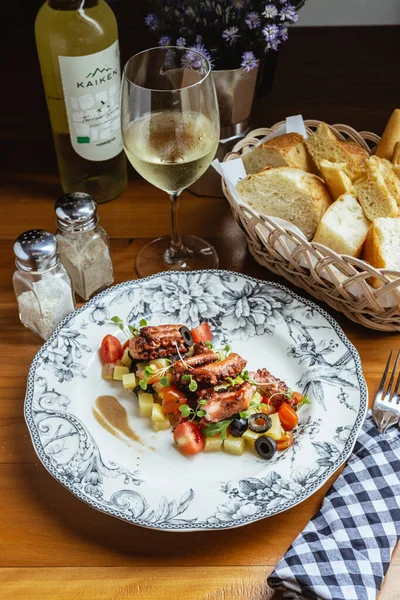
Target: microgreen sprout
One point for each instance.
(151, 372)
(192, 382)
(187, 411)
(128, 330)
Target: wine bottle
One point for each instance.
(77, 43)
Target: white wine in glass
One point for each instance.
(170, 125)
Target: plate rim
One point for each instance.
(203, 526)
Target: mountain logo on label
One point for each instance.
(98, 71)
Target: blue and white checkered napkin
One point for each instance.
(344, 551)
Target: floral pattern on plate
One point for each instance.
(151, 484)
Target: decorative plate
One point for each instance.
(150, 483)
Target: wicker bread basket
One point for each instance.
(341, 281)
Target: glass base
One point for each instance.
(155, 257)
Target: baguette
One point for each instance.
(382, 246)
(390, 136)
(336, 180)
(323, 145)
(287, 150)
(396, 159)
(300, 198)
(343, 227)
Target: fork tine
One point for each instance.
(382, 384)
(397, 389)
(389, 396)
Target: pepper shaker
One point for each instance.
(41, 283)
(83, 244)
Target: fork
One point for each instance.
(386, 407)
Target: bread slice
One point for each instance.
(382, 246)
(291, 194)
(359, 154)
(324, 145)
(287, 150)
(336, 180)
(376, 190)
(343, 227)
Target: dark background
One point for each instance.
(339, 74)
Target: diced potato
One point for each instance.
(126, 360)
(129, 381)
(107, 371)
(146, 402)
(163, 426)
(119, 371)
(250, 437)
(160, 421)
(276, 430)
(157, 414)
(234, 445)
(213, 444)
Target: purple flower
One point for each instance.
(270, 32)
(270, 11)
(181, 42)
(252, 20)
(152, 22)
(249, 61)
(274, 44)
(164, 40)
(288, 14)
(202, 49)
(283, 33)
(231, 34)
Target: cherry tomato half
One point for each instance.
(111, 349)
(288, 417)
(172, 399)
(202, 333)
(188, 438)
(285, 441)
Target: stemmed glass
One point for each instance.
(170, 128)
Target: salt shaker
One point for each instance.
(41, 283)
(83, 244)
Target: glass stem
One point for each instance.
(177, 250)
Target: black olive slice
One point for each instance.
(265, 447)
(260, 422)
(186, 336)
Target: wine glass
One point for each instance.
(170, 128)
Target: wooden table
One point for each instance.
(54, 547)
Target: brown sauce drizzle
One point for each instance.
(112, 416)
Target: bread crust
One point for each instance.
(390, 136)
(359, 154)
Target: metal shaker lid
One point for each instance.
(76, 211)
(36, 250)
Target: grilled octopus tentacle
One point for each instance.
(210, 372)
(271, 386)
(157, 342)
(222, 405)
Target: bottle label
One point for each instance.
(91, 87)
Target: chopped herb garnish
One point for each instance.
(164, 381)
(217, 428)
(209, 345)
(142, 323)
